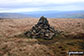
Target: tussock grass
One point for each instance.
(14, 42)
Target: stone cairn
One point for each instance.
(41, 30)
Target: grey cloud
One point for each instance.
(28, 5)
(78, 5)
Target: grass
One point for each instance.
(81, 44)
(0, 36)
(16, 43)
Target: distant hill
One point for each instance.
(48, 14)
(13, 15)
(58, 14)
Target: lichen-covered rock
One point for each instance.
(41, 30)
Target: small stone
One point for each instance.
(46, 34)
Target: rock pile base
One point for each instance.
(41, 30)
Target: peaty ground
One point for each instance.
(12, 43)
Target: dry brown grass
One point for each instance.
(17, 46)
(14, 26)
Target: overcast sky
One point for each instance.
(40, 5)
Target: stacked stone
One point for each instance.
(41, 30)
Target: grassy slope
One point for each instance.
(13, 45)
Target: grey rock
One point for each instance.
(43, 20)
